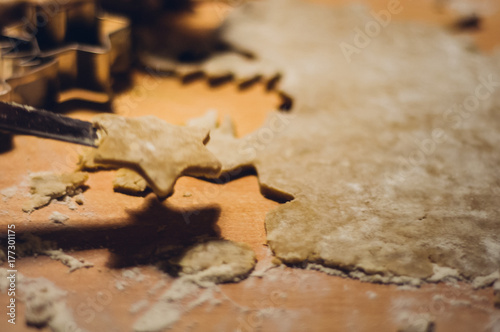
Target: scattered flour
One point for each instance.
(34, 245)
(120, 285)
(157, 287)
(8, 193)
(133, 274)
(374, 278)
(202, 267)
(138, 306)
(442, 273)
(414, 322)
(69, 261)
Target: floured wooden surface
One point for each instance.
(390, 152)
(272, 300)
(202, 267)
(45, 303)
(159, 151)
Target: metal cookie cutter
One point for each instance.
(60, 50)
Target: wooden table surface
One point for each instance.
(115, 229)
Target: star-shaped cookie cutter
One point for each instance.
(61, 50)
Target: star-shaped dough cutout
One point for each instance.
(236, 154)
(158, 151)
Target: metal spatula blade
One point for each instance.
(26, 120)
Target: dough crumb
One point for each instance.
(47, 186)
(187, 194)
(129, 182)
(58, 218)
(79, 199)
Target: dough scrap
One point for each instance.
(129, 182)
(158, 151)
(47, 186)
(218, 261)
(391, 151)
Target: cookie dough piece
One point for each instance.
(128, 181)
(160, 152)
(218, 261)
(47, 186)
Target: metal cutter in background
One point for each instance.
(58, 50)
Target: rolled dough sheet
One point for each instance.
(390, 152)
